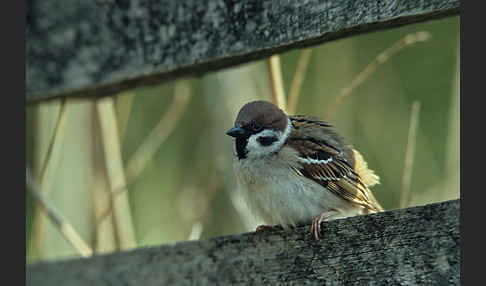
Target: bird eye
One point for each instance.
(255, 127)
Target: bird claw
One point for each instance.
(316, 222)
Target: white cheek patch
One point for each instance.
(255, 149)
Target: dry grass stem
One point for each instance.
(276, 82)
(453, 145)
(143, 155)
(58, 125)
(405, 197)
(61, 223)
(196, 231)
(204, 204)
(123, 108)
(46, 174)
(384, 56)
(299, 76)
(104, 239)
(105, 236)
(116, 176)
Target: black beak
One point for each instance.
(236, 131)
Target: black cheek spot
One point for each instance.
(267, 140)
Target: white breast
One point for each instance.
(278, 195)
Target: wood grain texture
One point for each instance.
(414, 246)
(97, 48)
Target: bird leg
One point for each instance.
(316, 222)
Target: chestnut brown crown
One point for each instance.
(262, 113)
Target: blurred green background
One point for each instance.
(187, 188)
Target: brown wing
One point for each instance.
(327, 160)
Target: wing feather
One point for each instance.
(324, 158)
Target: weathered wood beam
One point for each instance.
(414, 246)
(97, 48)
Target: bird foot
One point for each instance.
(316, 222)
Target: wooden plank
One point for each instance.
(97, 48)
(414, 246)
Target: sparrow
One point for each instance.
(292, 169)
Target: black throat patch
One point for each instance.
(240, 144)
(242, 141)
